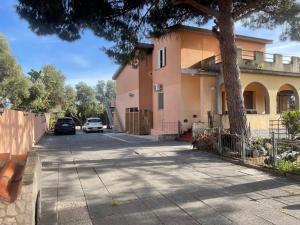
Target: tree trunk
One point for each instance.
(231, 71)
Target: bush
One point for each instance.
(291, 120)
(287, 166)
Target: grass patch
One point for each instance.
(285, 166)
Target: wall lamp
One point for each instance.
(131, 94)
(25, 113)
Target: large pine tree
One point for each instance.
(126, 22)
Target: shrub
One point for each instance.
(288, 166)
(291, 120)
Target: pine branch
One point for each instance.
(198, 6)
(248, 9)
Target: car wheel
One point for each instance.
(101, 131)
(55, 133)
(74, 132)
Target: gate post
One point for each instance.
(219, 141)
(243, 152)
(274, 151)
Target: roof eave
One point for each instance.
(144, 46)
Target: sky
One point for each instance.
(83, 60)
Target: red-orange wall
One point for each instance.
(169, 77)
(198, 46)
(19, 132)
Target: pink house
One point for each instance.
(179, 80)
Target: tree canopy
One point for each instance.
(87, 104)
(8, 64)
(128, 22)
(105, 91)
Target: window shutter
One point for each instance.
(163, 57)
(158, 60)
(160, 100)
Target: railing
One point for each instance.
(108, 111)
(279, 130)
(260, 152)
(170, 127)
(256, 60)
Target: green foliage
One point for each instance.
(291, 120)
(128, 22)
(37, 98)
(69, 103)
(8, 64)
(47, 89)
(87, 104)
(288, 167)
(13, 85)
(54, 85)
(15, 88)
(105, 90)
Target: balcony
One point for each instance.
(254, 61)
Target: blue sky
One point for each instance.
(83, 59)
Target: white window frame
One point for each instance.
(163, 101)
(161, 58)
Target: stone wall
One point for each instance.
(26, 208)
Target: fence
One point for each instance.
(171, 128)
(19, 131)
(261, 152)
(138, 122)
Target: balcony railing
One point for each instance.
(256, 60)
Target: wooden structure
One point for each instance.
(138, 121)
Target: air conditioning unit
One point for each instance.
(158, 87)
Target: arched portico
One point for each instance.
(256, 99)
(287, 98)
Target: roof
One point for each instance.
(144, 46)
(207, 31)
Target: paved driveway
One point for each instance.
(106, 179)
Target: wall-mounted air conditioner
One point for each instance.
(158, 87)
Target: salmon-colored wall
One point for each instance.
(134, 87)
(19, 132)
(190, 100)
(207, 96)
(170, 77)
(198, 46)
(127, 80)
(145, 83)
(126, 83)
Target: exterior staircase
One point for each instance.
(187, 136)
(117, 126)
(108, 111)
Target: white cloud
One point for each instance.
(284, 46)
(79, 60)
(89, 77)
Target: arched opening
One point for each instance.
(287, 98)
(256, 99)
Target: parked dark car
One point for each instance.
(65, 126)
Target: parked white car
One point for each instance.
(93, 124)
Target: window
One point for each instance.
(286, 101)
(161, 58)
(133, 109)
(248, 100)
(161, 100)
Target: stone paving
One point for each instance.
(108, 179)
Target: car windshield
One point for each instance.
(65, 120)
(94, 120)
